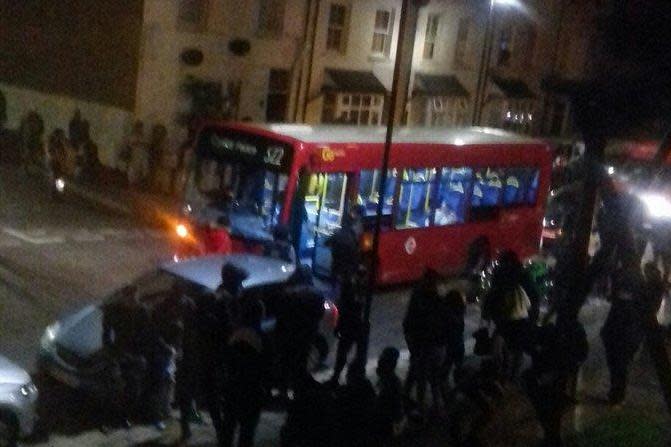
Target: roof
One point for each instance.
(206, 270)
(352, 81)
(513, 88)
(438, 85)
(376, 134)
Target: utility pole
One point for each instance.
(485, 59)
(397, 105)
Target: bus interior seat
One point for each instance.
(511, 195)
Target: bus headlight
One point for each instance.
(366, 243)
(182, 231)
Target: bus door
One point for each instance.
(324, 203)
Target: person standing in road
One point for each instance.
(389, 399)
(424, 331)
(345, 252)
(350, 329)
(455, 310)
(623, 331)
(296, 333)
(246, 376)
(509, 306)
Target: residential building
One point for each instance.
(309, 61)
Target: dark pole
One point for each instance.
(484, 66)
(402, 59)
(308, 77)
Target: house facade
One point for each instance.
(331, 61)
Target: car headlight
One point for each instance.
(50, 334)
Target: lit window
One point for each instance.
(192, 15)
(384, 23)
(431, 35)
(357, 108)
(336, 34)
(271, 17)
(461, 49)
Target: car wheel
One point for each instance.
(9, 430)
(318, 352)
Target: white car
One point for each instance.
(18, 398)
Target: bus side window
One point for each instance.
(450, 200)
(368, 194)
(487, 192)
(532, 190)
(521, 186)
(414, 200)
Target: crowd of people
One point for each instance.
(146, 162)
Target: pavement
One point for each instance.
(57, 256)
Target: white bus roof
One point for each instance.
(376, 134)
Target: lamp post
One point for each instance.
(398, 98)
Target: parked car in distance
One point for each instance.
(72, 348)
(18, 399)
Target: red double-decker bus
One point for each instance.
(448, 190)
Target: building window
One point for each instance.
(461, 49)
(353, 108)
(417, 188)
(192, 15)
(431, 35)
(337, 29)
(525, 44)
(271, 17)
(384, 25)
(278, 95)
(519, 116)
(504, 46)
(446, 111)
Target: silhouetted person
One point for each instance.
(350, 329)
(509, 304)
(559, 351)
(622, 333)
(614, 223)
(390, 396)
(125, 324)
(246, 376)
(455, 310)
(296, 332)
(345, 253)
(355, 410)
(425, 337)
(207, 327)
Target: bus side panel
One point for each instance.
(404, 254)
